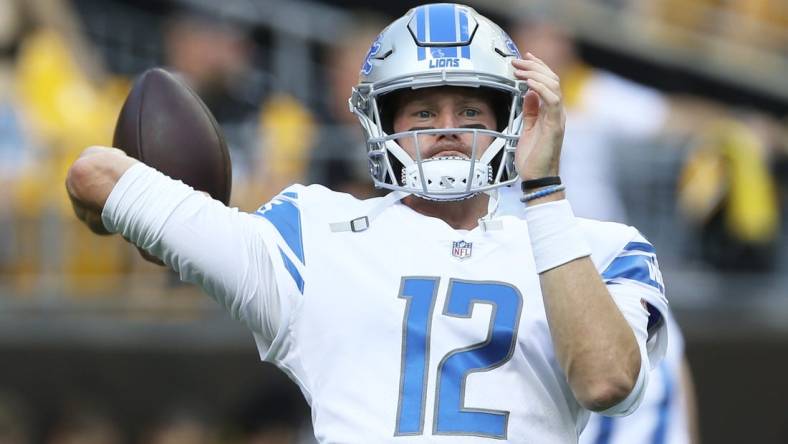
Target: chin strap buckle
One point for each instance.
(356, 225)
(361, 223)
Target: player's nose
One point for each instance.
(447, 120)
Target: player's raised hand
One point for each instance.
(539, 151)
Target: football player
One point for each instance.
(442, 312)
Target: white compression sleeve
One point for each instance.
(218, 248)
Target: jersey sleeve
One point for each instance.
(226, 252)
(634, 275)
(283, 233)
(627, 264)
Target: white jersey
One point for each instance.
(409, 331)
(661, 417)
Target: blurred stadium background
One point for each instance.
(98, 346)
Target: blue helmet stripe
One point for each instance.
(420, 31)
(443, 27)
(442, 24)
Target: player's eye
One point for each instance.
(471, 112)
(423, 114)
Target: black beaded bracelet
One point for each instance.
(533, 184)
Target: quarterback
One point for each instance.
(463, 306)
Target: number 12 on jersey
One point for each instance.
(451, 417)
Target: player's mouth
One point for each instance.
(449, 153)
(448, 150)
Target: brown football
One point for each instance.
(164, 124)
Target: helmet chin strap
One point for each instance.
(361, 223)
(489, 222)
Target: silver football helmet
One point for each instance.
(440, 45)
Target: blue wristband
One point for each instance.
(542, 193)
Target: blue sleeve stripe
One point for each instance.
(291, 194)
(291, 268)
(286, 218)
(660, 432)
(640, 246)
(606, 425)
(635, 267)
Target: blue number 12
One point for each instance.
(451, 416)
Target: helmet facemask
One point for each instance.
(490, 164)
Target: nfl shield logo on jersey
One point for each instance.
(461, 249)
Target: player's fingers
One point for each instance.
(530, 109)
(540, 77)
(551, 103)
(530, 56)
(149, 257)
(95, 223)
(535, 65)
(549, 97)
(541, 65)
(98, 149)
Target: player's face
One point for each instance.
(444, 107)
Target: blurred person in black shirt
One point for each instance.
(216, 58)
(338, 162)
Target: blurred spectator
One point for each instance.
(603, 112)
(729, 196)
(215, 56)
(67, 105)
(287, 128)
(779, 140)
(14, 155)
(267, 136)
(339, 159)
